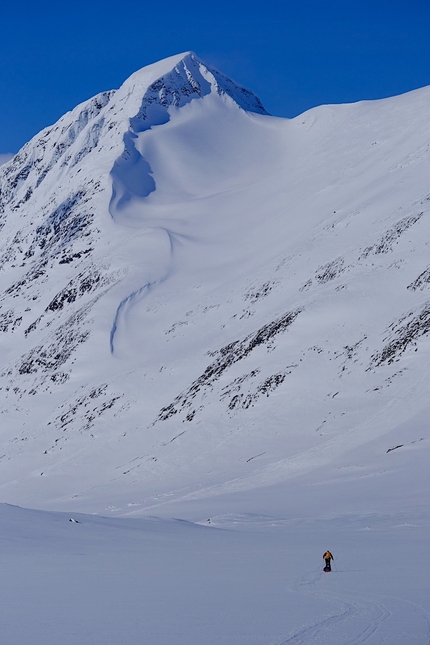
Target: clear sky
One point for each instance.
(293, 55)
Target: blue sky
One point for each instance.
(293, 55)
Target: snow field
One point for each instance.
(242, 579)
(208, 313)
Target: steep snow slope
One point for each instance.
(198, 298)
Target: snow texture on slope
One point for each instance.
(199, 298)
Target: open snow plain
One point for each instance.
(243, 577)
(216, 315)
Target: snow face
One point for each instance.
(200, 299)
(132, 175)
(214, 314)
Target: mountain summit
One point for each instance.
(197, 297)
(175, 81)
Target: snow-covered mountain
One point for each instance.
(199, 298)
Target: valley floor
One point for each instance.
(238, 579)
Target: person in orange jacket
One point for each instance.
(327, 557)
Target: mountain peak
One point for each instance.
(176, 80)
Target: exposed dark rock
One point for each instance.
(87, 408)
(9, 320)
(422, 282)
(259, 292)
(329, 271)
(387, 241)
(86, 282)
(227, 356)
(245, 400)
(402, 335)
(57, 350)
(395, 447)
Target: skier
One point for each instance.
(327, 557)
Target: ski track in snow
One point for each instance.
(369, 616)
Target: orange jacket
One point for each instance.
(328, 556)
